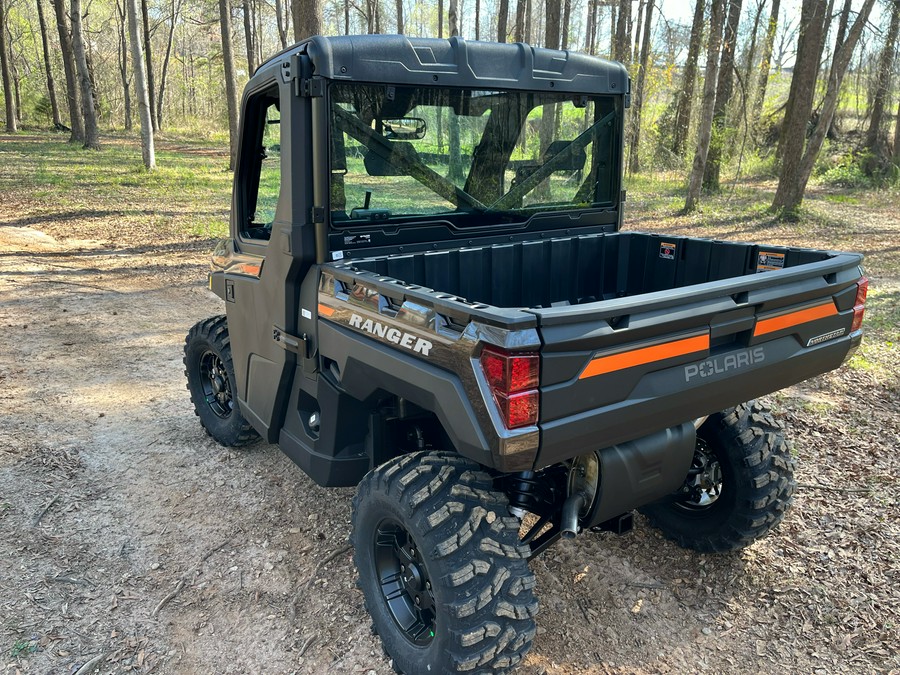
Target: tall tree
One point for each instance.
(637, 33)
(88, 108)
(308, 18)
(750, 54)
(566, 20)
(477, 19)
(876, 141)
(230, 77)
(724, 91)
(685, 95)
(148, 57)
(248, 36)
(502, 18)
(765, 65)
(51, 84)
(163, 75)
(638, 102)
(803, 85)
(279, 20)
(707, 107)
(796, 172)
(623, 33)
(519, 32)
(8, 95)
(122, 11)
(76, 122)
(400, 26)
(589, 30)
(148, 151)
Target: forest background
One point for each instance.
(799, 90)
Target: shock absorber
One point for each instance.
(535, 492)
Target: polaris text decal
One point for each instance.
(722, 364)
(398, 337)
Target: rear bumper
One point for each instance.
(669, 397)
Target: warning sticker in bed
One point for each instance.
(666, 251)
(770, 261)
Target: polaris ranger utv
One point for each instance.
(428, 294)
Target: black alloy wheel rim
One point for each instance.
(706, 478)
(216, 385)
(404, 582)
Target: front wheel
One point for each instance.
(740, 484)
(210, 379)
(441, 569)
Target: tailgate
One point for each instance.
(616, 370)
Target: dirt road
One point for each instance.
(129, 536)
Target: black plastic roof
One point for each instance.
(461, 63)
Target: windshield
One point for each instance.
(474, 156)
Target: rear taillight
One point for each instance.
(513, 379)
(859, 307)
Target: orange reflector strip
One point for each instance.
(638, 357)
(790, 319)
(325, 310)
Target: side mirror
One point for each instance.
(404, 128)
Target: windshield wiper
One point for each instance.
(402, 156)
(515, 195)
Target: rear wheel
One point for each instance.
(210, 379)
(443, 574)
(740, 484)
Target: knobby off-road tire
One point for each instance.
(463, 600)
(757, 484)
(210, 380)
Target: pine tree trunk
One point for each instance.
(724, 91)
(308, 18)
(765, 64)
(122, 11)
(707, 107)
(346, 17)
(176, 10)
(400, 25)
(686, 94)
(230, 78)
(502, 18)
(76, 122)
(88, 109)
(148, 56)
(799, 105)
(51, 84)
(8, 95)
(567, 14)
(148, 152)
(875, 141)
(634, 162)
(477, 19)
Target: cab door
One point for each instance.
(262, 284)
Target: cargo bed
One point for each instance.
(636, 332)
